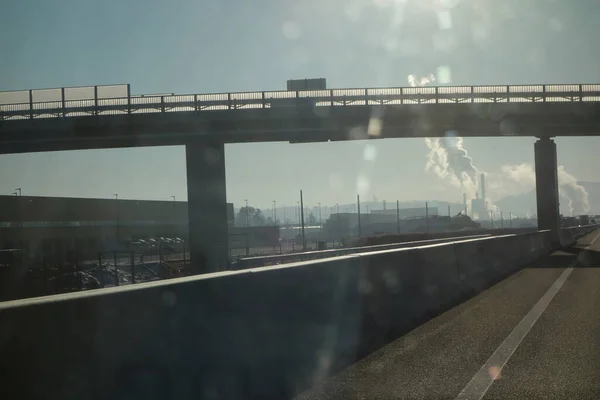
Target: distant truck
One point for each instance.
(307, 84)
(300, 85)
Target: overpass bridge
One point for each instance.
(513, 316)
(93, 117)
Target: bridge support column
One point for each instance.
(546, 185)
(207, 206)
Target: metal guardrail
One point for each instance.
(94, 105)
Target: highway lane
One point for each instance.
(558, 357)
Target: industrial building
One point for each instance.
(341, 225)
(479, 209)
(53, 225)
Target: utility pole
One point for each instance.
(274, 213)
(510, 219)
(426, 217)
(320, 219)
(302, 216)
(358, 208)
(174, 217)
(247, 214)
(117, 217)
(398, 215)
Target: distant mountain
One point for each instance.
(521, 204)
(525, 203)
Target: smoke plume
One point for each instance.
(448, 159)
(521, 177)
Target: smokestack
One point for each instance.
(465, 202)
(482, 186)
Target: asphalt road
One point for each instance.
(534, 335)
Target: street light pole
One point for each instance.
(302, 217)
(174, 217)
(117, 217)
(320, 220)
(398, 215)
(358, 205)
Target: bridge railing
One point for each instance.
(66, 103)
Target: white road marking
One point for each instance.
(483, 379)
(592, 242)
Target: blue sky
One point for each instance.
(227, 45)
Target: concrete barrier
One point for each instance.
(265, 333)
(261, 261)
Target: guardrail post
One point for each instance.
(31, 104)
(128, 99)
(473, 92)
(195, 102)
(229, 101)
(580, 92)
(62, 99)
(401, 95)
(507, 94)
(263, 99)
(116, 274)
(132, 268)
(366, 97)
(100, 269)
(95, 100)
(162, 104)
(331, 97)
(544, 93)
(436, 95)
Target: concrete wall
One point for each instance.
(258, 334)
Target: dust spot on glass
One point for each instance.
(362, 184)
(291, 30)
(357, 133)
(365, 286)
(375, 126)
(370, 153)
(495, 372)
(391, 279)
(444, 74)
(444, 19)
(169, 298)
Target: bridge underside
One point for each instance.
(307, 124)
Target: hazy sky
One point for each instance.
(232, 45)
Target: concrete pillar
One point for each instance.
(546, 184)
(207, 206)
